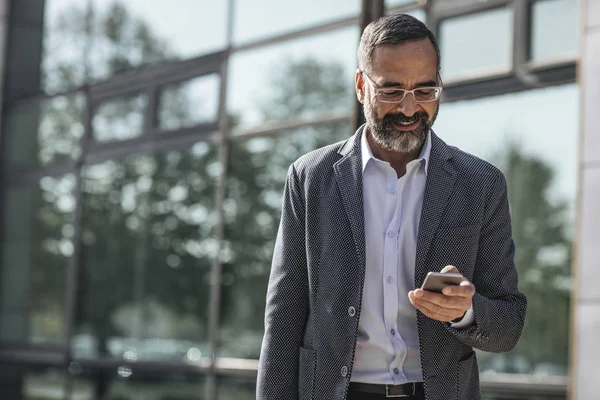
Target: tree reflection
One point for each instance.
(147, 219)
(83, 43)
(303, 88)
(257, 170)
(543, 257)
(256, 178)
(147, 248)
(37, 246)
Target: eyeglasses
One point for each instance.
(397, 95)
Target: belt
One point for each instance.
(405, 390)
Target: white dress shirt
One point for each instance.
(387, 349)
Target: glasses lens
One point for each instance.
(426, 94)
(391, 95)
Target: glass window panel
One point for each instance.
(295, 79)
(554, 29)
(66, 36)
(37, 245)
(396, 3)
(257, 19)
(258, 169)
(124, 34)
(32, 383)
(44, 133)
(236, 389)
(147, 253)
(418, 13)
(131, 33)
(189, 103)
(540, 161)
(129, 383)
(120, 119)
(465, 54)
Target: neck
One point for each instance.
(396, 159)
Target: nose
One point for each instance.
(408, 106)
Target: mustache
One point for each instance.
(402, 118)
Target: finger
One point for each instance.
(465, 289)
(437, 312)
(435, 316)
(453, 307)
(455, 302)
(450, 268)
(444, 307)
(411, 298)
(429, 310)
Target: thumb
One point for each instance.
(450, 268)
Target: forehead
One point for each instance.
(412, 60)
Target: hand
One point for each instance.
(453, 303)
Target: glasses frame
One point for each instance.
(378, 89)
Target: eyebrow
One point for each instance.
(388, 84)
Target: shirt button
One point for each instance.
(351, 311)
(396, 371)
(391, 190)
(393, 332)
(389, 279)
(391, 234)
(344, 371)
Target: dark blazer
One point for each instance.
(315, 288)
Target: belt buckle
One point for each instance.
(388, 395)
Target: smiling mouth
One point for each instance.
(407, 125)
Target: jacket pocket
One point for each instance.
(306, 373)
(468, 377)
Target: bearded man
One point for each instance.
(364, 221)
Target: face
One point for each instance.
(400, 127)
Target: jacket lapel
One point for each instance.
(348, 175)
(441, 177)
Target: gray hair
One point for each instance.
(392, 29)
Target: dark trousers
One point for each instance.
(371, 396)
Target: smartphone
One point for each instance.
(436, 281)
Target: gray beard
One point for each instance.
(399, 141)
(391, 139)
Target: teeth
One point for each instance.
(408, 123)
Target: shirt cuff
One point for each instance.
(466, 321)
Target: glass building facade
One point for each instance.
(144, 147)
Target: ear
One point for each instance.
(359, 84)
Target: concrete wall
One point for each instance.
(585, 383)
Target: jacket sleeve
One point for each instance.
(287, 301)
(498, 305)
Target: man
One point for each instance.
(363, 222)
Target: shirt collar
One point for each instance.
(367, 154)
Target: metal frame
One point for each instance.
(214, 315)
(524, 74)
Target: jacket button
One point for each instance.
(351, 311)
(344, 370)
